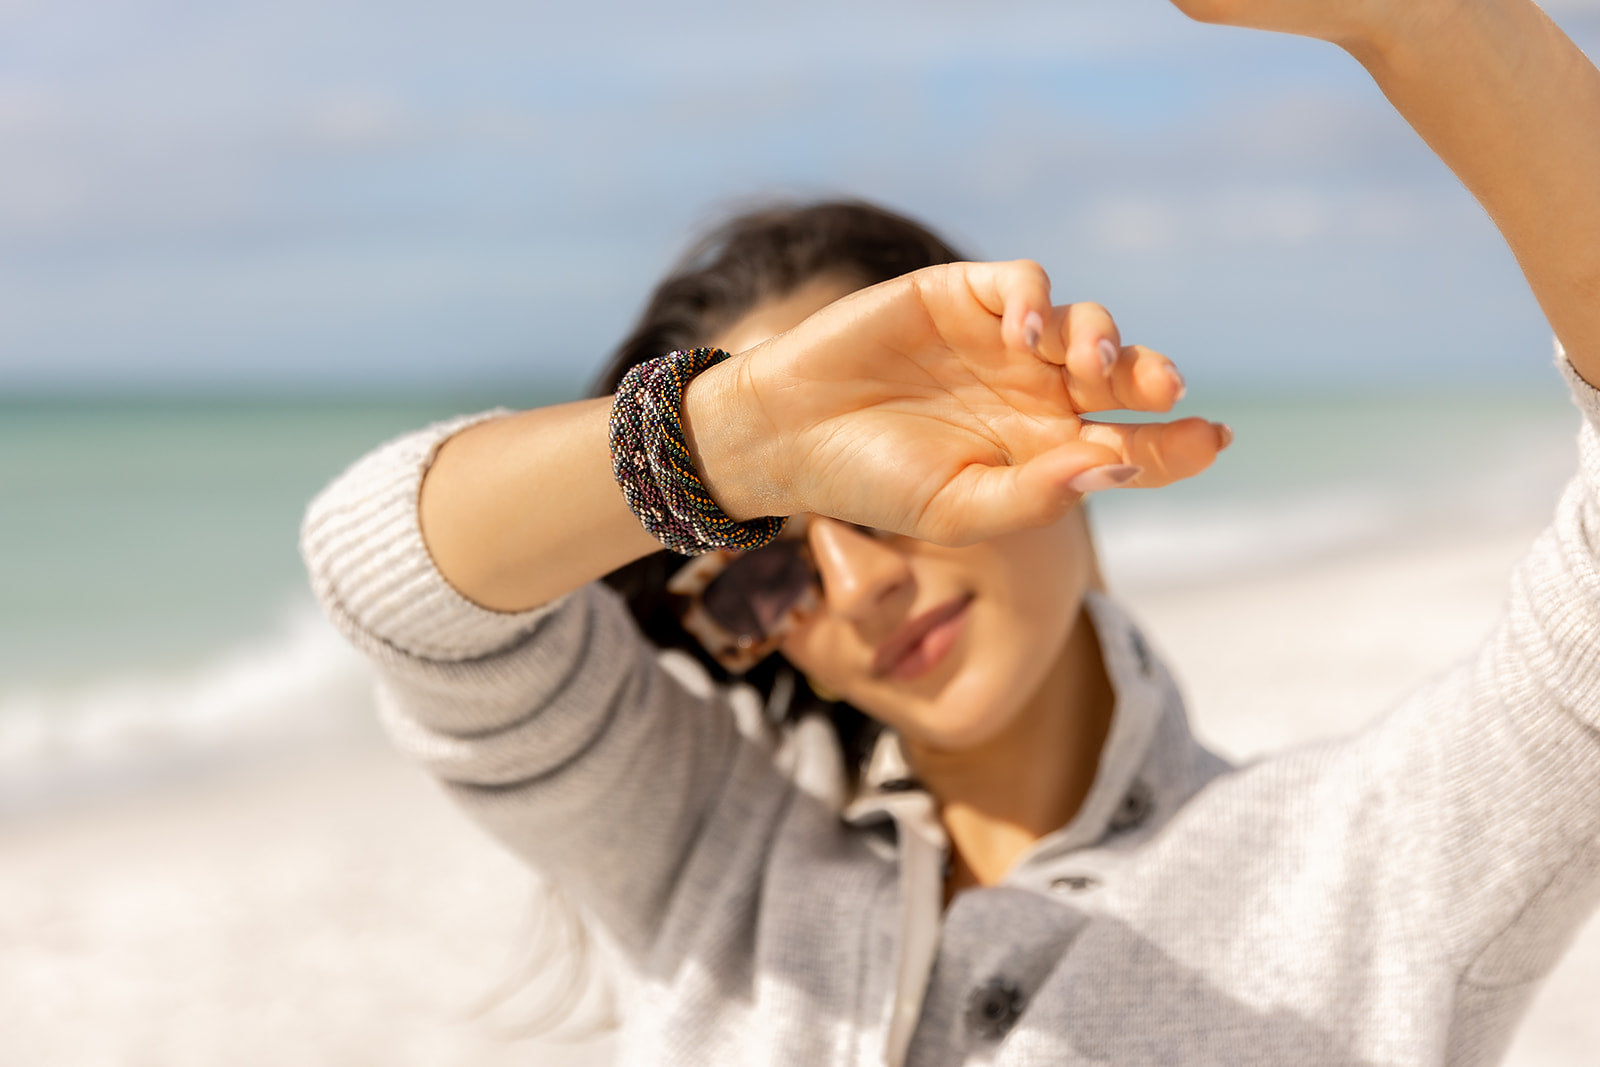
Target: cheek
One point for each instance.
(805, 647)
(1043, 579)
(1051, 565)
(824, 651)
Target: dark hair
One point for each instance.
(750, 258)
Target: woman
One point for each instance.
(1037, 863)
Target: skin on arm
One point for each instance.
(1509, 104)
(518, 511)
(1513, 108)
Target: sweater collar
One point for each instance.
(1149, 744)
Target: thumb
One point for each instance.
(986, 501)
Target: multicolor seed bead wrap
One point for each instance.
(651, 462)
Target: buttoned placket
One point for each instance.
(922, 848)
(889, 788)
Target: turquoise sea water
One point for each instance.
(146, 533)
(150, 589)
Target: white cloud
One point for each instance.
(40, 196)
(1188, 219)
(26, 109)
(359, 118)
(1136, 224)
(211, 141)
(1283, 216)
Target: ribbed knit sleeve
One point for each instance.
(1502, 823)
(559, 729)
(1568, 571)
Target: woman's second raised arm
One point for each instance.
(1510, 105)
(1489, 771)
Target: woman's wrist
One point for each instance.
(733, 443)
(1385, 31)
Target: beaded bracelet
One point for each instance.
(651, 462)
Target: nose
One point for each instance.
(860, 573)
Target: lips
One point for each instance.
(903, 653)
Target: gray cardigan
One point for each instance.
(1390, 898)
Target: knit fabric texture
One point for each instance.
(1389, 898)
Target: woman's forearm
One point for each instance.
(520, 510)
(1512, 107)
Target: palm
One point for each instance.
(911, 432)
(904, 408)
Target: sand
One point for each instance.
(336, 910)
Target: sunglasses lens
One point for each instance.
(754, 592)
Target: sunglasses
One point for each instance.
(741, 605)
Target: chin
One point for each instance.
(954, 739)
(963, 718)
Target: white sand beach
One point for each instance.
(336, 911)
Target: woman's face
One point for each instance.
(945, 645)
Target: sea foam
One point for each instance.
(301, 686)
(297, 688)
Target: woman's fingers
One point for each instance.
(1165, 452)
(1083, 338)
(1101, 373)
(1139, 379)
(983, 501)
(1018, 292)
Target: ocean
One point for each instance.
(154, 618)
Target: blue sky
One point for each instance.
(348, 194)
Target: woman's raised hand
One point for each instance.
(1345, 22)
(947, 405)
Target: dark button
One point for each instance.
(993, 1007)
(1134, 809)
(1141, 651)
(1073, 883)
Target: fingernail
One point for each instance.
(1097, 478)
(1183, 386)
(1225, 432)
(1032, 329)
(1108, 355)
